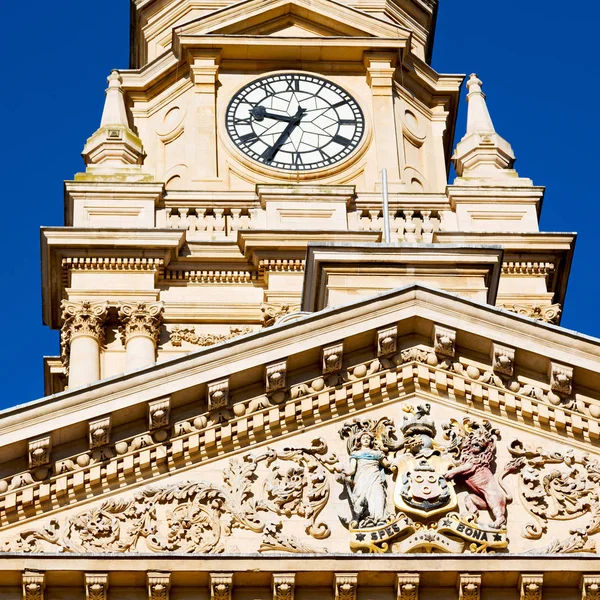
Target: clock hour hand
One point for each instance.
(260, 113)
(270, 153)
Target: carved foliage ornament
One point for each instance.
(34, 584)
(275, 377)
(220, 586)
(186, 334)
(141, 318)
(345, 586)
(283, 586)
(558, 486)
(40, 452)
(159, 585)
(469, 587)
(444, 341)
(159, 412)
(590, 587)
(408, 586)
(81, 319)
(530, 586)
(96, 586)
(99, 432)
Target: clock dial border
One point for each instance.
(333, 162)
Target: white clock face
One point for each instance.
(295, 122)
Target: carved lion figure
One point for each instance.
(474, 447)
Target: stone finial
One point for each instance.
(482, 153)
(159, 585)
(114, 112)
(114, 149)
(34, 584)
(407, 585)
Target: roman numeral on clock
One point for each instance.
(249, 138)
(341, 140)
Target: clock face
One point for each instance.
(295, 122)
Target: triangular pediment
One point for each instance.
(282, 17)
(256, 432)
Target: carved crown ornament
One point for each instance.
(304, 487)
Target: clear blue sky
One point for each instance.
(538, 62)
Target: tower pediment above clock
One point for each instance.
(297, 18)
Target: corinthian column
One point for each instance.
(82, 335)
(140, 329)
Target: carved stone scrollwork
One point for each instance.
(345, 586)
(81, 319)
(564, 493)
(99, 432)
(469, 587)
(444, 341)
(407, 586)
(275, 376)
(96, 586)
(34, 584)
(187, 334)
(549, 314)
(221, 585)
(283, 586)
(274, 540)
(272, 312)
(590, 587)
(503, 360)
(332, 358)
(40, 451)
(159, 585)
(141, 318)
(387, 341)
(159, 412)
(530, 586)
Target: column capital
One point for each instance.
(140, 319)
(83, 318)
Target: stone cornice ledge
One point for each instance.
(321, 328)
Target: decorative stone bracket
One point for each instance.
(99, 432)
(444, 341)
(345, 586)
(407, 585)
(530, 586)
(283, 586)
(221, 585)
(469, 587)
(96, 586)
(159, 586)
(34, 584)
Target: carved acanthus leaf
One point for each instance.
(387, 341)
(283, 586)
(141, 318)
(217, 394)
(159, 585)
(590, 587)
(469, 587)
(274, 540)
(561, 378)
(407, 586)
(221, 585)
(159, 412)
(503, 360)
(444, 341)
(275, 377)
(549, 313)
(99, 432)
(188, 334)
(39, 453)
(332, 358)
(530, 586)
(34, 584)
(96, 586)
(345, 586)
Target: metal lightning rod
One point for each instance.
(386, 208)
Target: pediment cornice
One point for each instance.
(391, 354)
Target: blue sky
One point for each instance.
(538, 63)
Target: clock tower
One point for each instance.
(287, 342)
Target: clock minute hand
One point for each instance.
(270, 153)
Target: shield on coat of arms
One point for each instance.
(422, 489)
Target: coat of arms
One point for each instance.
(421, 486)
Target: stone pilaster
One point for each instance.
(141, 322)
(82, 336)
